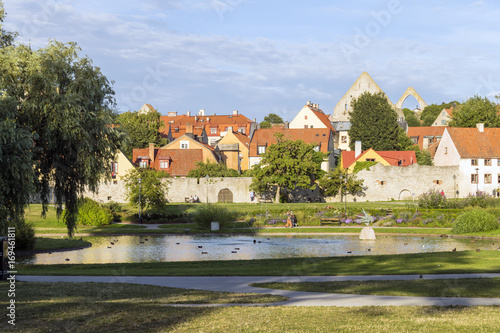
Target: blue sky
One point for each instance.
(262, 57)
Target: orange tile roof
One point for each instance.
(243, 139)
(420, 132)
(406, 157)
(180, 160)
(308, 135)
(323, 117)
(471, 143)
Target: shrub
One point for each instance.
(432, 199)
(479, 199)
(204, 215)
(25, 234)
(91, 213)
(473, 221)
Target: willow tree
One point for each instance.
(67, 105)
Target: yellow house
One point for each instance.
(187, 142)
(234, 148)
(120, 166)
(395, 158)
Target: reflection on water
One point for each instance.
(191, 248)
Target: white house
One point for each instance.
(477, 153)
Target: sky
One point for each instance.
(261, 57)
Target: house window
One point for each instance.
(114, 169)
(414, 140)
(382, 182)
(115, 182)
(163, 164)
(261, 150)
(473, 178)
(370, 160)
(305, 126)
(487, 178)
(443, 122)
(346, 107)
(305, 117)
(184, 144)
(498, 179)
(213, 130)
(311, 126)
(143, 163)
(473, 161)
(242, 130)
(446, 150)
(487, 162)
(438, 182)
(498, 162)
(343, 139)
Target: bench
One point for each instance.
(331, 220)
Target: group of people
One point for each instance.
(291, 221)
(194, 199)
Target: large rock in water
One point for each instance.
(367, 233)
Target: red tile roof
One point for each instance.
(425, 131)
(406, 157)
(243, 139)
(180, 160)
(308, 135)
(322, 116)
(471, 143)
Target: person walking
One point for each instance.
(289, 219)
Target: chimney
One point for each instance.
(357, 149)
(189, 130)
(425, 144)
(172, 114)
(195, 119)
(308, 103)
(152, 152)
(480, 127)
(235, 112)
(188, 113)
(201, 113)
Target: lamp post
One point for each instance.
(206, 179)
(455, 186)
(343, 180)
(140, 217)
(477, 180)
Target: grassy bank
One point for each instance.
(422, 288)
(86, 307)
(45, 243)
(421, 263)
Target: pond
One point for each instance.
(165, 248)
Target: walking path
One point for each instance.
(241, 284)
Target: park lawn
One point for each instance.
(424, 288)
(95, 307)
(417, 263)
(47, 243)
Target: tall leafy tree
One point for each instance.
(374, 123)
(271, 119)
(431, 111)
(6, 38)
(150, 191)
(411, 118)
(338, 181)
(475, 110)
(141, 129)
(67, 105)
(288, 165)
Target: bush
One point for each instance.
(25, 234)
(91, 213)
(432, 199)
(204, 215)
(473, 221)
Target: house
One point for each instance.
(311, 116)
(426, 137)
(233, 149)
(119, 167)
(395, 158)
(342, 128)
(146, 108)
(177, 158)
(206, 128)
(443, 118)
(323, 138)
(477, 153)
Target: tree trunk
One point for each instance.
(278, 191)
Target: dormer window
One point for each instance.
(261, 150)
(164, 164)
(143, 163)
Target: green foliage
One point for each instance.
(92, 214)
(204, 215)
(363, 165)
(141, 129)
(153, 187)
(273, 118)
(6, 38)
(115, 208)
(24, 234)
(212, 170)
(334, 182)
(476, 110)
(374, 123)
(430, 112)
(432, 199)
(411, 118)
(265, 124)
(289, 165)
(67, 105)
(423, 156)
(475, 220)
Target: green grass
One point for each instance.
(44, 244)
(419, 263)
(423, 288)
(94, 307)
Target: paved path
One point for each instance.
(241, 284)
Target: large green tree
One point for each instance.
(288, 165)
(374, 123)
(431, 111)
(6, 38)
(67, 105)
(475, 110)
(141, 129)
(411, 118)
(338, 181)
(150, 191)
(271, 119)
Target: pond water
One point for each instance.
(165, 248)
